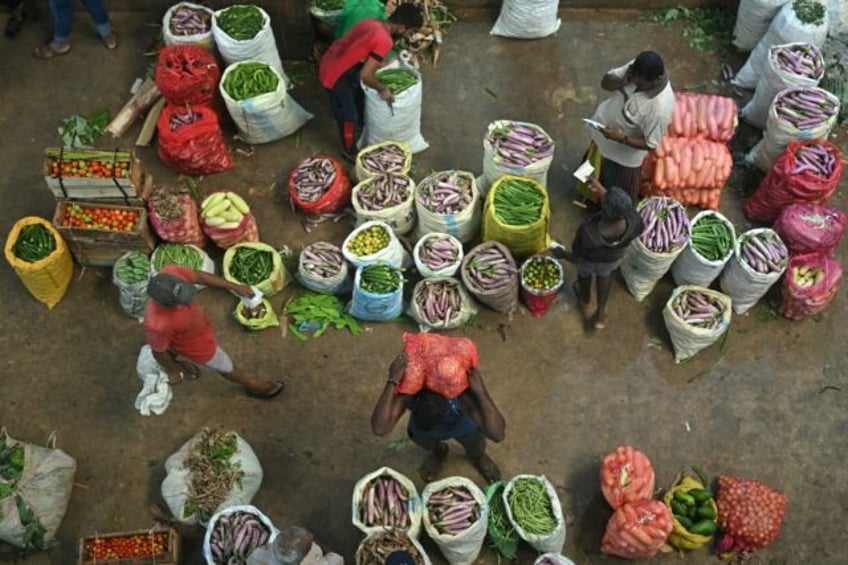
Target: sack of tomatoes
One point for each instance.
(100, 218)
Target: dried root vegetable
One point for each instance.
(213, 474)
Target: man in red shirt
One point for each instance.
(357, 56)
(176, 325)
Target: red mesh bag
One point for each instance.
(437, 362)
(184, 228)
(195, 148)
(750, 514)
(809, 285)
(187, 74)
(313, 170)
(791, 179)
(809, 228)
(703, 116)
(626, 476)
(637, 530)
(226, 238)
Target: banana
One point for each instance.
(238, 202)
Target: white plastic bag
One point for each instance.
(838, 17)
(447, 271)
(156, 393)
(463, 225)
(414, 507)
(688, 339)
(553, 558)
(132, 296)
(466, 310)
(493, 169)
(401, 217)
(393, 254)
(175, 487)
(335, 284)
(267, 117)
(262, 47)
(226, 511)
(527, 19)
(401, 121)
(691, 267)
(546, 543)
(740, 282)
(773, 80)
(642, 268)
(204, 40)
(785, 28)
(464, 547)
(752, 21)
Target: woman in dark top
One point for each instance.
(599, 245)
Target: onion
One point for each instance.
(750, 513)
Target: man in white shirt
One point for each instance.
(635, 118)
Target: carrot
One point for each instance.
(697, 156)
(659, 174)
(671, 173)
(703, 198)
(721, 116)
(677, 121)
(702, 118)
(689, 125)
(686, 164)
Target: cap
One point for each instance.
(400, 558)
(170, 290)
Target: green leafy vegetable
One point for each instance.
(316, 312)
(81, 132)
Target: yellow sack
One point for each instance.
(48, 279)
(276, 281)
(522, 241)
(268, 319)
(680, 537)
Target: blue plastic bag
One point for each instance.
(375, 307)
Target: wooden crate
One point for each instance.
(171, 556)
(133, 189)
(101, 248)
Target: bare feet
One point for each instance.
(601, 321)
(433, 463)
(51, 50)
(487, 468)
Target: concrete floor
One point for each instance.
(756, 407)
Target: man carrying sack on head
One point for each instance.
(175, 325)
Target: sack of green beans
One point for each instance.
(256, 264)
(534, 510)
(256, 98)
(388, 198)
(402, 120)
(695, 317)
(516, 213)
(711, 245)
(41, 258)
(243, 33)
(182, 255)
(377, 293)
(258, 318)
(130, 274)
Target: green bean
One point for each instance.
(251, 266)
(531, 506)
(248, 80)
(34, 243)
(176, 254)
(241, 22)
(397, 80)
(712, 238)
(518, 202)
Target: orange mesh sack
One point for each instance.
(637, 530)
(438, 363)
(626, 476)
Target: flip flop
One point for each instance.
(48, 51)
(433, 463)
(191, 370)
(601, 324)
(278, 388)
(110, 41)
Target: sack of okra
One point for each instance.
(516, 213)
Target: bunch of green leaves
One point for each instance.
(708, 29)
(81, 132)
(318, 311)
(11, 462)
(34, 532)
(213, 473)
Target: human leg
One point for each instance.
(475, 447)
(97, 10)
(225, 367)
(16, 17)
(438, 452)
(63, 18)
(603, 284)
(346, 110)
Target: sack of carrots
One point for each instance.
(637, 530)
(695, 317)
(703, 116)
(810, 284)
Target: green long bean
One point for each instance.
(531, 506)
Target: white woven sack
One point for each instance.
(393, 254)
(204, 40)
(464, 547)
(413, 503)
(772, 81)
(467, 308)
(132, 296)
(752, 21)
(555, 558)
(642, 268)
(248, 508)
(527, 19)
(779, 134)
(838, 17)
(262, 47)
(686, 339)
(426, 271)
(266, 117)
(785, 28)
(336, 284)
(207, 266)
(401, 121)
(493, 169)
(549, 543)
(362, 173)
(464, 225)
(691, 268)
(744, 285)
(400, 218)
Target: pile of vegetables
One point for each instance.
(213, 474)
(319, 311)
(176, 254)
(250, 79)
(234, 537)
(666, 224)
(815, 158)
(805, 108)
(703, 116)
(810, 12)
(34, 243)
(369, 241)
(439, 301)
(438, 251)
(517, 145)
(695, 510)
(132, 268)
(490, 269)
(380, 279)
(500, 530)
(81, 132)
(187, 20)
(627, 475)
(100, 217)
(329, 5)
(12, 462)
(313, 177)
(130, 546)
(397, 80)
(530, 506)
(453, 510)
(750, 513)
(447, 192)
(763, 251)
(167, 204)
(541, 273)
(806, 276)
(375, 550)
(258, 312)
(385, 503)
(428, 37)
(321, 259)
(385, 158)
(251, 266)
(383, 191)
(518, 202)
(712, 237)
(241, 22)
(699, 309)
(88, 164)
(179, 119)
(224, 210)
(802, 59)
(692, 171)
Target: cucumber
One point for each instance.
(684, 521)
(685, 498)
(678, 507)
(692, 512)
(706, 511)
(700, 494)
(705, 527)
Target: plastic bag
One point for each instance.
(355, 11)
(364, 171)
(455, 315)
(703, 116)
(246, 231)
(680, 537)
(502, 536)
(627, 475)
(195, 148)
(262, 47)
(401, 121)
(744, 284)
(427, 271)
(637, 530)
(424, 368)
(810, 228)
(464, 225)
(267, 117)
(132, 296)
(688, 339)
(156, 392)
(804, 297)
(203, 40)
(175, 487)
(268, 318)
(335, 283)
(334, 198)
(550, 542)
(372, 306)
(462, 548)
(787, 182)
(48, 279)
(784, 28)
(502, 298)
(691, 267)
(276, 280)
(43, 490)
(752, 21)
(187, 74)
(493, 168)
(553, 559)
(414, 508)
(184, 228)
(539, 301)
(522, 241)
(250, 509)
(780, 133)
(393, 254)
(400, 217)
(775, 78)
(525, 19)
(838, 17)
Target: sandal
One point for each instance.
(110, 41)
(51, 50)
(13, 25)
(433, 463)
(190, 370)
(487, 468)
(277, 389)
